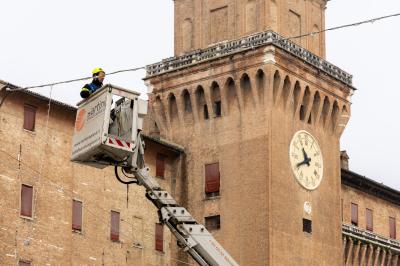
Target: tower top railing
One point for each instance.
(265, 38)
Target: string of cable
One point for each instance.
(355, 24)
(78, 79)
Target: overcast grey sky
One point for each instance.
(47, 40)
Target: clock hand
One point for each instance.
(304, 154)
(307, 159)
(301, 163)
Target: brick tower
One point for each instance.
(248, 106)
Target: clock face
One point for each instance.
(306, 160)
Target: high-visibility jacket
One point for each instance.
(90, 88)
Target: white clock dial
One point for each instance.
(306, 160)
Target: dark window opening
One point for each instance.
(218, 111)
(114, 230)
(160, 165)
(29, 117)
(213, 222)
(392, 227)
(369, 219)
(76, 215)
(187, 103)
(205, 110)
(26, 200)
(159, 237)
(24, 263)
(307, 226)
(309, 119)
(212, 180)
(354, 214)
(302, 112)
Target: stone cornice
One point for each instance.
(224, 49)
(370, 237)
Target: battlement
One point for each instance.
(250, 42)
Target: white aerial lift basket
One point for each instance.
(106, 126)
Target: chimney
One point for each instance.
(344, 160)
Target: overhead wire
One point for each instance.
(78, 79)
(354, 24)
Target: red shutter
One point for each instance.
(392, 227)
(77, 215)
(160, 165)
(115, 218)
(159, 237)
(369, 218)
(26, 200)
(212, 181)
(29, 117)
(354, 214)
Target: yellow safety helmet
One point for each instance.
(97, 70)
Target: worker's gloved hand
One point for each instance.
(85, 93)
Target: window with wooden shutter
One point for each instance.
(392, 227)
(354, 214)
(26, 200)
(115, 218)
(29, 117)
(369, 219)
(213, 222)
(76, 215)
(24, 263)
(160, 165)
(212, 180)
(159, 237)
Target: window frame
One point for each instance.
(393, 234)
(34, 111)
(207, 192)
(307, 226)
(159, 229)
(24, 263)
(218, 224)
(160, 157)
(115, 237)
(77, 230)
(356, 220)
(369, 227)
(24, 215)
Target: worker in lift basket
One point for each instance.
(97, 82)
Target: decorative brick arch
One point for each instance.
(245, 87)
(231, 96)
(216, 99)
(261, 84)
(173, 108)
(276, 85)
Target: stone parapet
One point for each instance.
(371, 237)
(224, 49)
